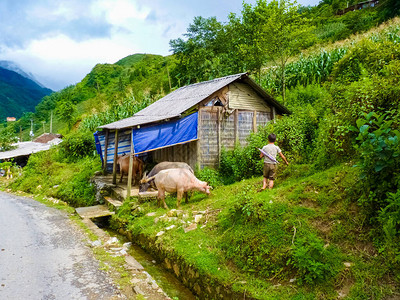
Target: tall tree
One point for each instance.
(197, 54)
(278, 31)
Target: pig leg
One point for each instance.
(179, 194)
(122, 175)
(187, 196)
(161, 196)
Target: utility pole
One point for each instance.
(31, 133)
(20, 134)
(169, 80)
(51, 122)
(44, 131)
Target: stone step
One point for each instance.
(96, 211)
(148, 194)
(113, 203)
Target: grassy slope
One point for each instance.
(268, 228)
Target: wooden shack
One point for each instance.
(192, 123)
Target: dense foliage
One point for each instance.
(18, 94)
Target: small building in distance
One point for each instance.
(11, 119)
(23, 150)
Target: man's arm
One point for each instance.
(283, 157)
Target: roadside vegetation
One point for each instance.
(330, 228)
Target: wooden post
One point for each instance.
(131, 155)
(105, 153)
(219, 134)
(236, 127)
(273, 114)
(255, 121)
(114, 181)
(199, 139)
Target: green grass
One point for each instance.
(306, 228)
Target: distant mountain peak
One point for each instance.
(12, 66)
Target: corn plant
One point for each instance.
(116, 112)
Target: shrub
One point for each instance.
(210, 176)
(78, 190)
(256, 236)
(78, 145)
(314, 261)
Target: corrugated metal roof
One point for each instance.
(180, 100)
(27, 148)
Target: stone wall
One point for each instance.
(205, 286)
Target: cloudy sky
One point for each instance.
(59, 41)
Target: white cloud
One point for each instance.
(57, 60)
(120, 12)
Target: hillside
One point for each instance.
(18, 94)
(329, 229)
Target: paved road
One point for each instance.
(44, 256)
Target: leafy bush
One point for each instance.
(48, 173)
(315, 262)
(241, 162)
(78, 145)
(210, 176)
(78, 190)
(7, 138)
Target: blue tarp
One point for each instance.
(98, 145)
(165, 134)
(148, 138)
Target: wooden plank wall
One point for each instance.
(245, 126)
(184, 153)
(209, 136)
(229, 131)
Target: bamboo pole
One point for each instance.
(198, 154)
(255, 121)
(236, 126)
(219, 134)
(105, 153)
(114, 181)
(131, 155)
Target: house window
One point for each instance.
(214, 102)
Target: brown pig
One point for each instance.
(180, 181)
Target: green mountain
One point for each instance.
(18, 94)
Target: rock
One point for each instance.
(197, 218)
(191, 227)
(126, 246)
(111, 241)
(135, 280)
(171, 213)
(174, 213)
(96, 243)
(152, 214)
(170, 227)
(347, 264)
(160, 233)
(292, 280)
